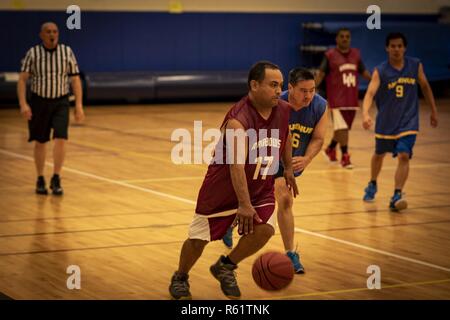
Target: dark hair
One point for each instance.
(396, 35)
(300, 74)
(258, 71)
(342, 29)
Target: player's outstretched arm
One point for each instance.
(372, 89)
(428, 94)
(245, 212)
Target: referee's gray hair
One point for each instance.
(48, 22)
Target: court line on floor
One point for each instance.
(5, 297)
(413, 194)
(148, 226)
(401, 285)
(314, 171)
(122, 152)
(94, 176)
(161, 226)
(43, 220)
(117, 246)
(137, 213)
(411, 224)
(360, 246)
(169, 196)
(367, 211)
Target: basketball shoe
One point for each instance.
(397, 202)
(345, 161)
(227, 278)
(228, 238)
(40, 186)
(370, 192)
(295, 258)
(179, 286)
(55, 185)
(331, 154)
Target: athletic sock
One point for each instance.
(227, 260)
(344, 149)
(333, 144)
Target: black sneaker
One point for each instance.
(227, 278)
(40, 186)
(179, 286)
(55, 185)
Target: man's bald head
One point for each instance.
(48, 24)
(49, 35)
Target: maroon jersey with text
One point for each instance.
(217, 193)
(342, 78)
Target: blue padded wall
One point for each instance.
(152, 41)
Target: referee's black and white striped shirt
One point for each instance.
(50, 70)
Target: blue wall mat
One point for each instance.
(151, 41)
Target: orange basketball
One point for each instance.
(273, 271)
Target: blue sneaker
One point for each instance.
(370, 192)
(295, 258)
(228, 238)
(397, 202)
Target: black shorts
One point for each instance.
(403, 144)
(48, 114)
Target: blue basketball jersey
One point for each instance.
(397, 100)
(303, 122)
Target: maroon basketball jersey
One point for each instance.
(217, 193)
(342, 78)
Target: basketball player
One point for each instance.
(341, 66)
(394, 87)
(241, 193)
(307, 124)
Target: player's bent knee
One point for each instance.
(198, 243)
(403, 157)
(284, 199)
(265, 230)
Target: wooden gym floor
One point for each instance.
(127, 207)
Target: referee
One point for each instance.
(49, 66)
